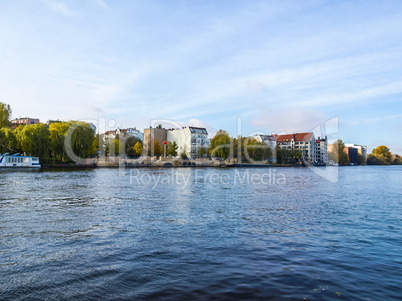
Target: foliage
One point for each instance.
(202, 151)
(172, 149)
(8, 141)
(397, 160)
(183, 154)
(384, 151)
(129, 144)
(220, 145)
(257, 151)
(82, 140)
(97, 146)
(377, 160)
(34, 140)
(138, 149)
(338, 154)
(287, 156)
(360, 159)
(115, 147)
(156, 148)
(382, 155)
(5, 115)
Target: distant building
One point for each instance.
(350, 150)
(110, 135)
(132, 132)
(270, 140)
(23, 121)
(49, 122)
(353, 155)
(190, 140)
(305, 142)
(92, 126)
(361, 150)
(321, 150)
(150, 135)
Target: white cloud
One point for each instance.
(58, 7)
(288, 120)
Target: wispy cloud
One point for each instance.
(372, 120)
(58, 7)
(289, 120)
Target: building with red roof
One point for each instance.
(305, 142)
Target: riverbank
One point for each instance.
(164, 164)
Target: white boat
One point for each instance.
(17, 161)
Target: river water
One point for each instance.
(191, 233)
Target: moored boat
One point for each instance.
(17, 161)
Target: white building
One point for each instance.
(131, 132)
(189, 140)
(304, 142)
(110, 135)
(321, 150)
(270, 140)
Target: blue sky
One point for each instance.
(281, 66)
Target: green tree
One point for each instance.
(183, 154)
(397, 160)
(156, 148)
(34, 140)
(8, 141)
(221, 145)
(138, 149)
(115, 146)
(257, 151)
(279, 155)
(338, 154)
(130, 142)
(360, 159)
(97, 145)
(57, 132)
(80, 135)
(5, 115)
(172, 149)
(202, 151)
(384, 151)
(377, 160)
(287, 156)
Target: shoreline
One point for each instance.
(225, 166)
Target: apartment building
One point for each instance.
(190, 140)
(304, 142)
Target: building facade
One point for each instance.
(150, 135)
(23, 121)
(321, 150)
(130, 132)
(189, 140)
(270, 140)
(361, 149)
(353, 155)
(110, 135)
(305, 142)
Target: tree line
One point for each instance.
(48, 142)
(382, 155)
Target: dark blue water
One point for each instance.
(93, 235)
